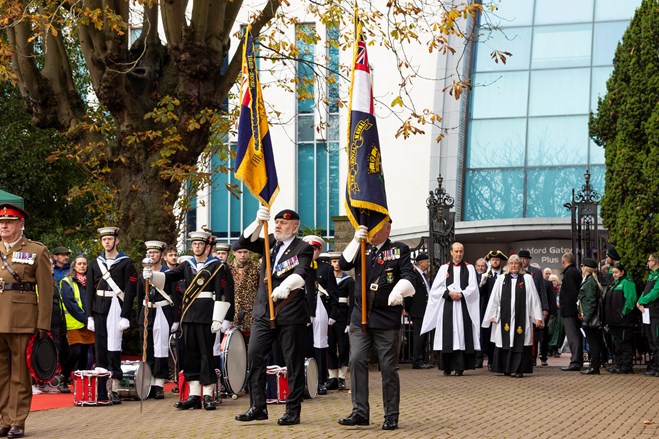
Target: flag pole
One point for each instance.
(268, 270)
(364, 299)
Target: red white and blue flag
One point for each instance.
(255, 162)
(366, 199)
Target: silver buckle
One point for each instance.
(2, 286)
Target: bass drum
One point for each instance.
(41, 357)
(136, 383)
(310, 378)
(233, 362)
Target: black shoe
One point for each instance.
(322, 390)
(591, 371)
(448, 372)
(458, 373)
(62, 387)
(421, 366)
(4, 430)
(289, 419)
(332, 384)
(571, 368)
(354, 419)
(193, 402)
(489, 367)
(157, 392)
(651, 372)
(253, 414)
(609, 368)
(519, 375)
(390, 423)
(16, 431)
(342, 383)
(209, 404)
(175, 389)
(479, 364)
(557, 355)
(622, 370)
(544, 363)
(115, 398)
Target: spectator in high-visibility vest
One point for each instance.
(80, 338)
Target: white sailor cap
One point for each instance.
(200, 235)
(108, 231)
(334, 255)
(314, 240)
(155, 245)
(222, 246)
(324, 256)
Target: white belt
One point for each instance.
(206, 295)
(343, 300)
(108, 293)
(159, 304)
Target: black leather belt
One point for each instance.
(16, 286)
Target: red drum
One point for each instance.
(233, 362)
(276, 385)
(86, 385)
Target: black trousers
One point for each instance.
(622, 340)
(292, 339)
(77, 359)
(339, 346)
(110, 360)
(544, 342)
(199, 365)
(594, 336)
(652, 334)
(419, 342)
(321, 361)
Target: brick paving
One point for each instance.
(548, 403)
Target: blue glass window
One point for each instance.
(607, 37)
(615, 9)
(494, 194)
(561, 46)
(304, 41)
(333, 69)
(598, 85)
(500, 94)
(563, 11)
(513, 12)
(596, 154)
(559, 92)
(515, 40)
(558, 141)
(549, 188)
(496, 143)
(306, 193)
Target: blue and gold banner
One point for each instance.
(366, 198)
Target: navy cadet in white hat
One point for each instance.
(111, 289)
(207, 307)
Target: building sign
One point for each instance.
(547, 253)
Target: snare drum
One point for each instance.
(233, 362)
(86, 387)
(276, 385)
(310, 378)
(136, 383)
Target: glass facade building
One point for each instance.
(527, 142)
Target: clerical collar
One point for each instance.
(514, 275)
(458, 264)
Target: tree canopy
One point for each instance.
(627, 126)
(139, 115)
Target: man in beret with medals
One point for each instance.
(111, 289)
(290, 263)
(207, 308)
(161, 319)
(25, 267)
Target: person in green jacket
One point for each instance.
(649, 302)
(589, 298)
(619, 304)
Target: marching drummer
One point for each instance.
(207, 308)
(111, 285)
(24, 266)
(161, 319)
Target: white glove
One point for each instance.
(280, 293)
(361, 234)
(395, 298)
(147, 273)
(347, 331)
(292, 282)
(175, 326)
(124, 324)
(226, 325)
(263, 214)
(312, 318)
(216, 326)
(90, 324)
(331, 321)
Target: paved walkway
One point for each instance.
(548, 403)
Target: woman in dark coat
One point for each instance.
(619, 305)
(589, 298)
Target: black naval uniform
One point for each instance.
(321, 276)
(124, 274)
(197, 314)
(339, 345)
(159, 366)
(292, 316)
(390, 264)
(415, 307)
(485, 292)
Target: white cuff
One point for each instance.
(293, 282)
(405, 288)
(220, 310)
(158, 280)
(253, 230)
